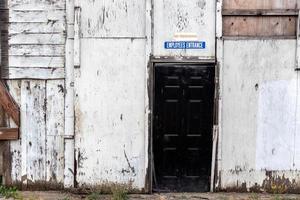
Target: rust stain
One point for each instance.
(279, 184)
(273, 183)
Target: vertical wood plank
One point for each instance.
(55, 131)
(55, 160)
(33, 103)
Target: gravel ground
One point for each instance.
(165, 196)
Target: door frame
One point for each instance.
(151, 98)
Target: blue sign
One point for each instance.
(185, 45)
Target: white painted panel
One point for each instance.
(33, 115)
(107, 18)
(260, 129)
(110, 91)
(276, 125)
(184, 16)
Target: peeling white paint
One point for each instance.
(110, 113)
(260, 125)
(259, 100)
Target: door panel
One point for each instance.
(182, 138)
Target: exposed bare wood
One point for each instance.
(259, 26)
(260, 4)
(259, 37)
(9, 133)
(259, 12)
(8, 104)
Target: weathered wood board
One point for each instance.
(36, 4)
(259, 25)
(33, 73)
(8, 104)
(35, 34)
(265, 18)
(261, 4)
(38, 156)
(55, 131)
(9, 133)
(37, 39)
(15, 146)
(33, 115)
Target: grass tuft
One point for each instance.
(10, 192)
(120, 193)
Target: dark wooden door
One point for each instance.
(183, 122)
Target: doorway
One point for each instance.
(182, 127)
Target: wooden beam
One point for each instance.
(9, 133)
(261, 4)
(259, 37)
(8, 104)
(259, 26)
(259, 12)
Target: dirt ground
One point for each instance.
(165, 196)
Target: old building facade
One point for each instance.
(163, 95)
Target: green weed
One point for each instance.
(254, 196)
(120, 193)
(10, 192)
(94, 196)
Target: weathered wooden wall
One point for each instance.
(260, 18)
(39, 155)
(259, 97)
(36, 37)
(113, 44)
(34, 70)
